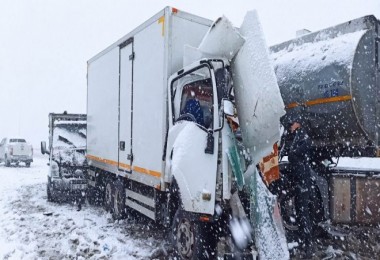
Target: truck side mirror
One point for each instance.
(43, 148)
(228, 107)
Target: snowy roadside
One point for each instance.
(26, 233)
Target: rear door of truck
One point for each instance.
(125, 106)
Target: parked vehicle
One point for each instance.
(16, 150)
(67, 161)
(331, 78)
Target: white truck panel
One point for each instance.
(185, 30)
(129, 35)
(197, 190)
(258, 99)
(148, 101)
(102, 108)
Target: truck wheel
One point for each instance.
(119, 208)
(27, 164)
(192, 239)
(108, 196)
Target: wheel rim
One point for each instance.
(185, 238)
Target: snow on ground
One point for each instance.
(26, 233)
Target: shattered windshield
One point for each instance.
(69, 142)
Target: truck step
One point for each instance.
(140, 198)
(147, 212)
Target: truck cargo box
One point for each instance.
(331, 78)
(127, 92)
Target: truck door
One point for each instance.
(192, 146)
(125, 106)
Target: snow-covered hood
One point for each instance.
(69, 144)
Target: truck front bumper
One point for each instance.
(68, 189)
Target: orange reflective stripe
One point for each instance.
(95, 158)
(327, 100)
(125, 166)
(146, 171)
(292, 105)
(320, 101)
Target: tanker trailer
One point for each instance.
(331, 78)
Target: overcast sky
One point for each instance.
(45, 44)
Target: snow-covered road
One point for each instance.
(27, 233)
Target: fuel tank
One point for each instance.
(330, 78)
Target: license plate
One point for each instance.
(78, 186)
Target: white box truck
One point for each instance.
(157, 133)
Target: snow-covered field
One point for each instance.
(27, 233)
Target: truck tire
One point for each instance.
(27, 164)
(192, 239)
(119, 208)
(108, 196)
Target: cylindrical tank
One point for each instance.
(330, 78)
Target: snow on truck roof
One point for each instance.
(70, 122)
(294, 60)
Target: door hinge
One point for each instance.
(132, 56)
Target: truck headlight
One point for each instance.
(54, 169)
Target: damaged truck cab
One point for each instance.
(67, 161)
(197, 170)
